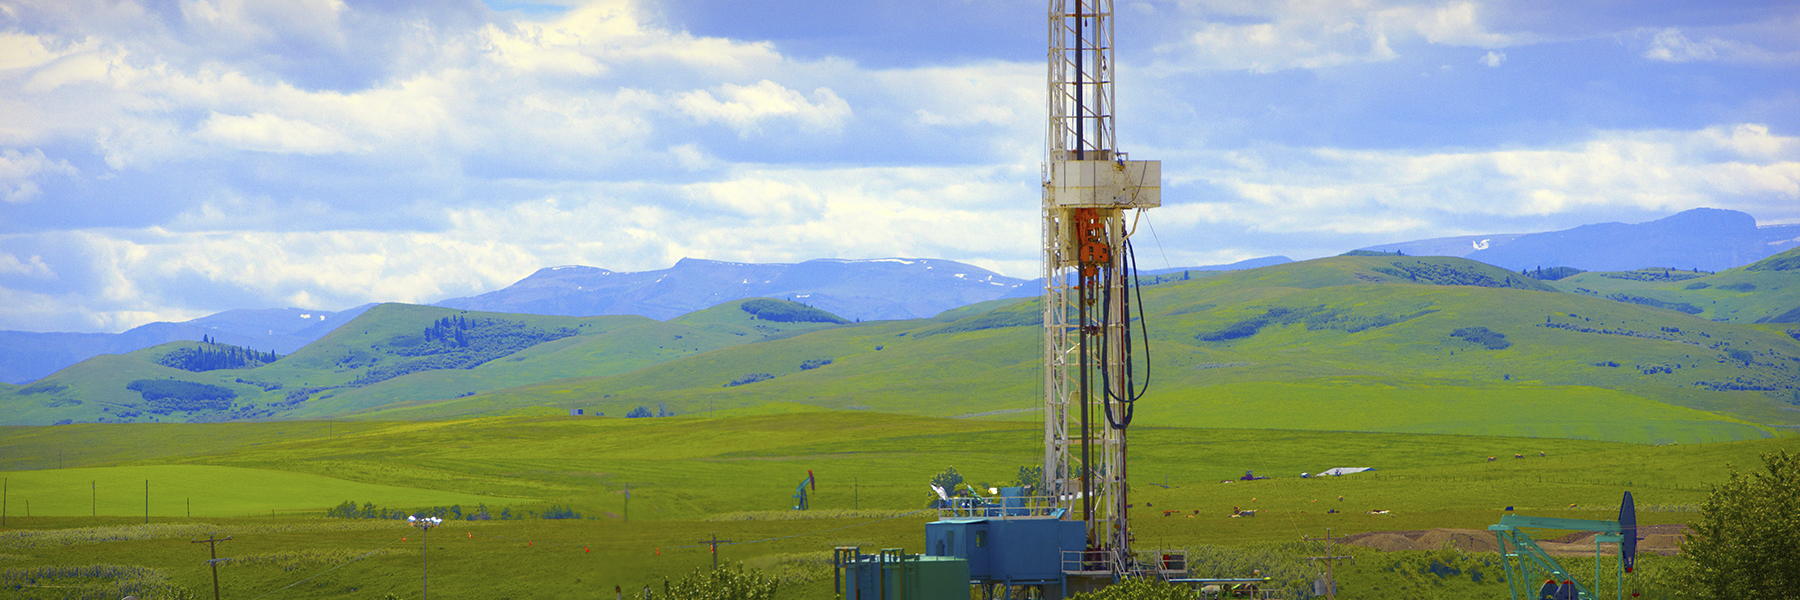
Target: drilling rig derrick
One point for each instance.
(1091, 190)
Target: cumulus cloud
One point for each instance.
(1399, 193)
(1276, 36)
(33, 266)
(1493, 58)
(20, 170)
(264, 132)
(1672, 45)
(745, 107)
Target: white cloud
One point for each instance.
(1302, 34)
(19, 171)
(1671, 45)
(745, 107)
(1396, 192)
(33, 266)
(264, 132)
(1493, 58)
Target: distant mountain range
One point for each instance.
(866, 290)
(1707, 239)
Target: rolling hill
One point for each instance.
(1366, 343)
(389, 353)
(1767, 291)
(1343, 343)
(27, 356)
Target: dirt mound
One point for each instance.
(1467, 540)
(1653, 539)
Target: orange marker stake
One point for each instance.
(585, 549)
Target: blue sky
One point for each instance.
(164, 160)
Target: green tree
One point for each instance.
(948, 480)
(1747, 543)
(1030, 478)
(730, 583)
(1139, 589)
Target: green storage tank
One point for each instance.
(895, 575)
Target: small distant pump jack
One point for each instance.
(800, 490)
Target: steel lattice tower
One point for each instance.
(1089, 189)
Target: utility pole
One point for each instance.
(212, 542)
(5, 487)
(1330, 559)
(146, 502)
(714, 543)
(94, 497)
(627, 518)
(424, 526)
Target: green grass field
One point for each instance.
(172, 491)
(683, 470)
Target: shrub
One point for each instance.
(750, 378)
(783, 311)
(1238, 330)
(1554, 273)
(560, 512)
(211, 356)
(1493, 340)
(1654, 303)
(815, 363)
(639, 413)
(183, 395)
(1741, 355)
(729, 583)
(1747, 542)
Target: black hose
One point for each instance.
(1133, 392)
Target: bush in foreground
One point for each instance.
(1747, 543)
(729, 583)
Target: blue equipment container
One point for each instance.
(1019, 551)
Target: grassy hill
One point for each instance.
(1338, 343)
(393, 353)
(1367, 343)
(1767, 291)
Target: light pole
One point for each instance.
(424, 526)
